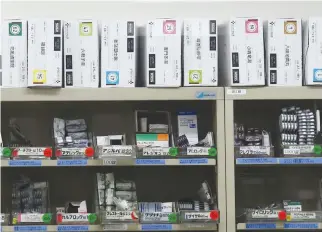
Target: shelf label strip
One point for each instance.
(193, 161)
(30, 228)
(24, 163)
(152, 227)
(73, 162)
(302, 160)
(256, 161)
(72, 228)
(252, 226)
(301, 226)
(150, 162)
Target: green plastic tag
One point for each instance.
(317, 149)
(173, 151)
(92, 218)
(212, 152)
(46, 218)
(172, 217)
(6, 152)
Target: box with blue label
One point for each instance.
(118, 54)
(81, 56)
(188, 126)
(45, 55)
(14, 52)
(312, 40)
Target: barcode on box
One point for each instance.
(166, 55)
(12, 57)
(83, 60)
(198, 48)
(43, 48)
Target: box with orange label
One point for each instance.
(45, 56)
(152, 140)
(284, 52)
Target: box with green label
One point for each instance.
(152, 140)
(81, 56)
(14, 53)
(200, 52)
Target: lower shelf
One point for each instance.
(114, 227)
(279, 226)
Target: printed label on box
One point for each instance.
(195, 76)
(317, 75)
(251, 26)
(169, 27)
(265, 213)
(15, 29)
(85, 29)
(290, 27)
(39, 77)
(112, 78)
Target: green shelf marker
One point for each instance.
(172, 217)
(212, 152)
(92, 218)
(46, 218)
(6, 152)
(173, 151)
(317, 149)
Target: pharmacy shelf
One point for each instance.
(279, 226)
(115, 227)
(279, 161)
(109, 162)
(112, 94)
(273, 93)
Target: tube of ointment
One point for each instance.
(126, 195)
(100, 177)
(101, 198)
(109, 194)
(144, 124)
(109, 178)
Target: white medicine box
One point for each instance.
(118, 54)
(200, 56)
(81, 53)
(162, 53)
(45, 56)
(244, 52)
(312, 48)
(14, 53)
(284, 52)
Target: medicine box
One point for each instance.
(188, 126)
(81, 53)
(45, 56)
(162, 55)
(244, 52)
(118, 54)
(284, 52)
(312, 49)
(14, 53)
(200, 52)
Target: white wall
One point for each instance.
(143, 10)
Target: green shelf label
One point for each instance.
(212, 152)
(6, 152)
(46, 218)
(92, 218)
(317, 149)
(172, 217)
(173, 151)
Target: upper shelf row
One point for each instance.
(161, 94)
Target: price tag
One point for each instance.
(301, 216)
(30, 217)
(117, 150)
(202, 151)
(120, 215)
(254, 150)
(24, 163)
(287, 151)
(156, 216)
(301, 226)
(236, 91)
(265, 213)
(256, 161)
(307, 160)
(72, 228)
(73, 162)
(75, 151)
(156, 151)
(109, 162)
(303, 148)
(260, 226)
(152, 227)
(193, 161)
(74, 217)
(113, 227)
(197, 216)
(3, 216)
(30, 151)
(30, 228)
(150, 162)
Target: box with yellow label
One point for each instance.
(81, 54)
(45, 57)
(284, 52)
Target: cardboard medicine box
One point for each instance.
(163, 53)
(14, 53)
(284, 52)
(118, 54)
(200, 52)
(81, 53)
(45, 56)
